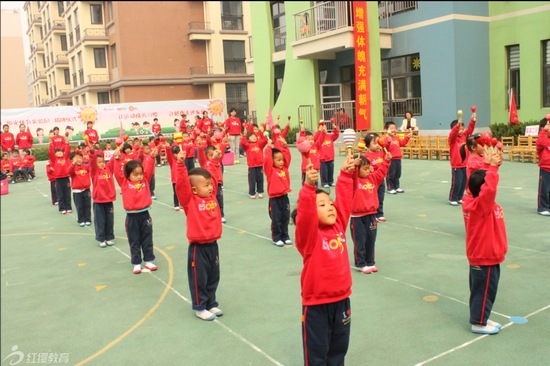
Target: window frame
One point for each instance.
(92, 12)
(234, 64)
(401, 69)
(235, 19)
(104, 60)
(513, 75)
(102, 100)
(546, 73)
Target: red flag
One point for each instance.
(513, 118)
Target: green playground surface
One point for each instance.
(65, 300)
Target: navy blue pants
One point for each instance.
(394, 174)
(381, 193)
(152, 183)
(219, 198)
(104, 221)
(483, 291)
(327, 172)
(53, 192)
(29, 172)
(255, 180)
(83, 205)
(325, 333)
(458, 184)
(279, 212)
(363, 233)
(63, 189)
(176, 202)
(203, 273)
(190, 163)
(139, 230)
(19, 171)
(544, 191)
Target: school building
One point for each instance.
(431, 58)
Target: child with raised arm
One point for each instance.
(210, 159)
(325, 141)
(80, 184)
(321, 226)
(486, 243)
(253, 145)
(364, 223)
(60, 162)
(376, 156)
(457, 138)
(171, 152)
(136, 199)
(276, 163)
(103, 196)
(196, 191)
(394, 145)
(313, 154)
(543, 151)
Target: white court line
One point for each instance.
(419, 228)
(463, 345)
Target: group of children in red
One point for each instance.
(17, 159)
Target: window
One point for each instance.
(116, 96)
(96, 13)
(279, 24)
(546, 73)
(401, 85)
(232, 15)
(67, 75)
(83, 99)
(233, 55)
(237, 97)
(110, 7)
(113, 56)
(60, 9)
(63, 40)
(513, 74)
(103, 98)
(99, 58)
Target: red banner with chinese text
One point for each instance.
(362, 66)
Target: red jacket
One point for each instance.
(136, 197)
(49, 171)
(254, 151)
(475, 162)
(172, 164)
(155, 128)
(8, 141)
(206, 125)
(103, 183)
(543, 150)
(60, 165)
(326, 276)
(204, 223)
(80, 176)
(394, 147)
(16, 163)
(189, 147)
(278, 179)
(365, 191)
(486, 242)
(326, 144)
(24, 140)
(6, 166)
(58, 141)
(213, 166)
(313, 156)
(233, 126)
(456, 141)
(376, 158)
(93, 136)
(28, 161)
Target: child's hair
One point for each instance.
(126, 146)
(294, 212)
(151, 138)
(542, 123)
(130, 166)
(176, 149)
(388, 124)
(136, 139)
(73, 154)
(248, 134)
(82, 145)
(87, 123)
(155, 119)
(5, 125)
(209, 149)
(200, 172)
(470, 145)
(57, 149)
(454, 123)
(275, 151)
(477, 179)
(232, 109)
(255, 125)
(27, 151)
(4, 154)
(363, 161)
(309, 133)
(56, 128)
(370, 137)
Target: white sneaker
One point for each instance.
(260, 195)
(102, 244)
(137, 269)
(453, 203)
(279, 243)
(151, 266)
(333, 184)
(216, 311)
(289, 242)
(494, 324)
(252, 197)
(393, 191)
(205, 315)
(88, 223)
(176, 208)
(460, 202)
(154, 197)
(325, 186)
(224, 220)
(110, 243)
(484, 329)
(544, 213)
(82, 224)
(399, 190)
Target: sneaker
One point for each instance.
(63, 212)
(460, 202)
(150, 266)
(325, 186)
(57, 203)
(87, 223)
(159, 165)
(252, 197)
(28, 180)
(366, 270)
(224, 220)
(102, 244)
(484, 329)
(82, 224)
(381, 219)
(176, 208)
(544, 213)
(288, 241)
(69, 211)
(216, 311)
(154, 197)
(494, 324)
(137, 268)
(33, 177)
(374, 269)
(12, 182)
(236, 162)
(260, 195)
(205, 315)
(333, 184)
(279, 243)
(393, 191)
(453, 203)
(110, 243)
(399, 190)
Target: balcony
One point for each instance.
(35, 20)
(204, 75)
(41, 75)
(323, 30)
(398, 107)
(58, 25)
(61, 60)
(200, 31)
(37, 47)
(98, 78)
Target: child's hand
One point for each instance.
(349, 164)
(410, 133)
(495, 159)
(474, 116)
(269, 142)
(388, 155)
(283, 141)
(312, 175)
(181, 156)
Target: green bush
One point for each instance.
(505, 129)
(291, 136)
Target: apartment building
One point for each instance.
(98, 52)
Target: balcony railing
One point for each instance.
(58, 25)
(41, 75)
(279, 34)
(201, 70)
(98, 78)
(322, 18)
(398, 107)
(329, 113)
(196, 25)
(64, 92)
(36, 19)
(388, 8)
(81, 76)
(95, 33)
(61, 59)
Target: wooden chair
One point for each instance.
(412, 148)
(525, 150)
(428, 147)
(507, 145)
(443, 147)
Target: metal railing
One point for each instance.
(95, 33)
(201, 70)
(81, 76)
(77, 33)
(330, 114)
(62, 59)
(398, 107)
(279, 35)
(388, 8)
(322, 18)
(98, 78)
(197, 25)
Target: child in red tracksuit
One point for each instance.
(376, 156)
(276, 163)
(51, 178)
(103, 196)
(80, 184)
(188, 145)
(326, 277)
(210, 159)
(253, 145)
(325, 142)
(457, 138)
(60, 163)
(16, 163)
(313, 154)
(543, 151)
(197, 193)
(486, 243)
(136, 199)
(364, 210)
(171, 160)
(394, 144)
(28, 164)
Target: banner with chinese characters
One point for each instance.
(362, 66)
(136, 119)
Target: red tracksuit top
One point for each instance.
(189, 148)
(278, 179)
(6, 166)
(49, 172)
(475, 162)
(171, 163)
(543, 150)
(365, 191)
(80, 176)
(233, 126)
(313, 156)
(213, 166)
(326, 144)
(8, 141)
(376, 158)
(156, 128)
(60, 165)
(394, 148)
(254, 151)
(57, 141)
(205, 125)
(103, 181)
(23, 140)
(93, 136)
(456, 141)
(28, 161)
(136, 197)
(16, 163)
(486, 242)
(326, 276)
(204, 224)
